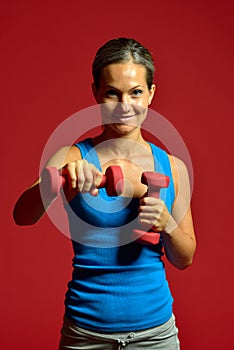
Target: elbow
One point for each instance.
(182, 264)
(186, 260)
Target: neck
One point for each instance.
(120, 144)
(111, 134)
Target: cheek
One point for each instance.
(141, 102)
(107, 109)
(140, 109)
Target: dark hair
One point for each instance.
(122, 50)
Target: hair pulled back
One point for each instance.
(122, 50)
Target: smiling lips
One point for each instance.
(123, 118)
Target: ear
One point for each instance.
(95, 92)
(152, 92)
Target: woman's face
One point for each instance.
(124, 95)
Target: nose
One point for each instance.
(124, 104)
(124, 107)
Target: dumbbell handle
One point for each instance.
(112, 180)
(155, 182)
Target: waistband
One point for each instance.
(122, 338)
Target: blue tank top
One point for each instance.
(117, 284)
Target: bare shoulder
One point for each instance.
(73, 154)
(177, 164)
(179, 171)
(64, 156)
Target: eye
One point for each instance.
(137, 92)
(111, 93)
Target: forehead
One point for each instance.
(123, 72)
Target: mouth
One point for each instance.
(123, 118)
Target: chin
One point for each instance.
(123, 129)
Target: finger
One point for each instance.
(89, 179)
(72, 174)
(150, 201)
(152, 217)
(151, 205)
(146, 209)
(150, 225)
(80, 173)
(94, 192)
(145, 224)
(97, 177)
(151, 209)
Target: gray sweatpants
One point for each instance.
(163, 337)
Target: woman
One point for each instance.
(119, 297)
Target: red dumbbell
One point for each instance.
(154, 181)
(112, 180)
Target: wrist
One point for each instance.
(171, 225)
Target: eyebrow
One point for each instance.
(112, 87)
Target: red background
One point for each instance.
(46, 52)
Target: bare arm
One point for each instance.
(179, 236)
(30, 207)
